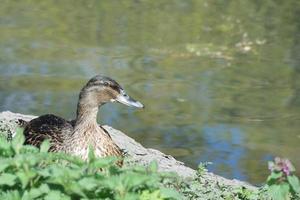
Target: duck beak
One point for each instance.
(128, 101)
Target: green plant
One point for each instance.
(202, 167)
(27, 172)
(30, 173)
(282, 183)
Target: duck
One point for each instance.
(75, 137)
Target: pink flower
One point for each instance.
(281, 165)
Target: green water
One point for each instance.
(220, 79)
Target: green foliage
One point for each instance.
(30, 173)
(282, 183)
(202, 167)
(27, 172)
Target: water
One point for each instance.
(220, 80)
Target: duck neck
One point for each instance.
(86, 116)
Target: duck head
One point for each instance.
(100, 90)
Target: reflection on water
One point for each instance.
(224, 147)
(220, 80)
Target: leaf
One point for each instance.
(72, 159)
(75, 189)
(273, 177)
(276, 175)
(113, 183)
(279, 192)
(146, 195)
(104, 162)
(44, 188)
(133, 181)
(25, 177)
(36, 192)
(29, 149)
(128, 196)
(55, 195)
(91, 155)
(27, 159)
(18, 140)
(10, 195)
(88, 183)
(19, 131)
(4, 145)
(4, 163)
(294, 182)
(7, 179)
(45, 146)
(153, 166)
(168, 193)
(44, 172)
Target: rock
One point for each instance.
(136, 153)
(141, 155)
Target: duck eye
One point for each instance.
(106, 84)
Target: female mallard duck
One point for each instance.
(75, 137)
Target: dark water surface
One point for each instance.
(220, 79)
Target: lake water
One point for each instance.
(220, 79)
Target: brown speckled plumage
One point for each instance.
(75, 137)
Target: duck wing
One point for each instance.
(49, 127)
